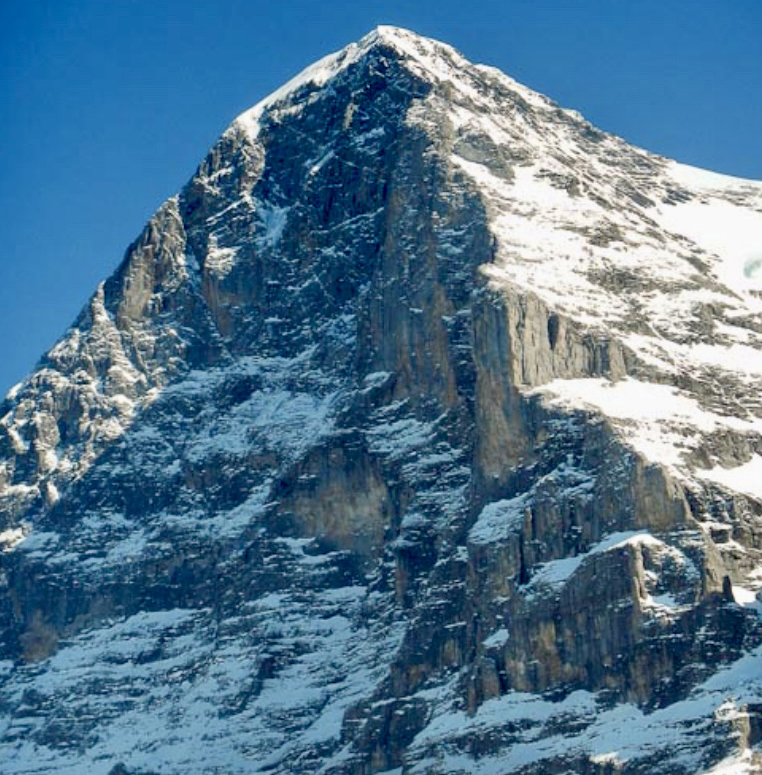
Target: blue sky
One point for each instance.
(107, 106)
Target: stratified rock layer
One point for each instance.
(407, 438)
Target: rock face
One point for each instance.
(420, 433)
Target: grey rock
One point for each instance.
(295, 492)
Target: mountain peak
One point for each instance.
(430, 60)
(406, 42)
(389, 34)
(320, 72)
(423, 425)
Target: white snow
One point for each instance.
(424, 56)
(273, 221)
(315, 75)
(695, 177)
(219, 261)
(746, 478)
(279, 419)
(321, 162)
(274, 417)
(174, 690)
(498, 520)
(732, 232)
(498, 638)
(14, 391)
(615, 735)
(375, 379)
(739, 764)
(593, 255)
(544, 235)
(659, 421)
(738, 359)
(399, 437)
(556, 573)
(745, 597)
(12, 537)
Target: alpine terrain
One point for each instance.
(421, 433)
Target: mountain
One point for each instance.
(420, 433)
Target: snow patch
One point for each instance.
(497, 639)
(12, 537)
(219, 261)
(498, 520)
(659, 421)
(732, 232)
(273, 223)
(556, 573)
(746, 478)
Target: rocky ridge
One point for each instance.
(420, 433)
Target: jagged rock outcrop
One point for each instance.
(418, 434)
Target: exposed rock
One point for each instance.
(412, 436)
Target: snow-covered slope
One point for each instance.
(420, 433)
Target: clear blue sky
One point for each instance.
(107, 106)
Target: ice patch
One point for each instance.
(273, 223)
(375, 379)
(497, 639)
(321, 162)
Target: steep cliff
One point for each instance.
(420, 433)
